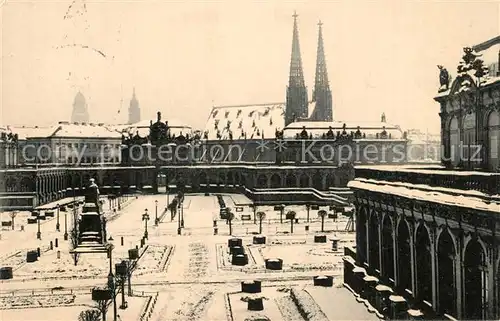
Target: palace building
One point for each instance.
(427, 238)
(470, 109)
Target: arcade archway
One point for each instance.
(373, 234)
(446, 274)
(291, 181)
(387, 250)
(404, 257)
(361, 231)
(261, 181)
(424, 265)
(475, 281)
(275, 181)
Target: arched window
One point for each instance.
(494, 140)
(469, 137)
(454, 142)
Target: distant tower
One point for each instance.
(382, 118)
(322, 94)
(80, 111)
(134, 112)
(296, 94)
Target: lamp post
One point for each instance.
(111, 278)
(38, 234)
(58, 229)
(75, 209)
(156, 212)
(65, 226)
(179, 220)
(182, 212)
(145, 218)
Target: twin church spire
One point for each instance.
(297, 103)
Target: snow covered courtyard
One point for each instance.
(188, 276)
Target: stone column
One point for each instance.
(395, 247)
(433, 244)
(367, 241)
(411, 230)
(458, 272)
(379, 221)
(490, 270)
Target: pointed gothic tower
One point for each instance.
(322, 95)
(80, 112)
(296, 94)
(134, 112)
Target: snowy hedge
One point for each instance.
(306, 305)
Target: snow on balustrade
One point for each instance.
(371, 130)
(424, 195)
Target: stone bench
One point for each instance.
(234, 242)
(323, 280)
(319, 238)
(6, 273)
(239, 259)
(259, 239)
(236, 250)
(251, 286)
(255, 304)
(274, 264)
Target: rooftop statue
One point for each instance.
(158, 131)
(444, 78)
(330, 133)
(303, 133)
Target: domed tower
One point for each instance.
(134, 112)
(80, 112)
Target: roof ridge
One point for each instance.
(248, 105)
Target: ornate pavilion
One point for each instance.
(427, 239)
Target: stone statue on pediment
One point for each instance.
(358, 133)
(158, 131)
(444, 78)
(329, 133)
(383, 134)
(303, 133)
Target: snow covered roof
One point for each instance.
(85, 131)
(317, 128)
(68, 130)
(257, 121)
(29, 132)
(414, 192)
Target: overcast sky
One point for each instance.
(184, 57)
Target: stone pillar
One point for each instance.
(368, 211)
(458, 272)
(433, 244)
(395, 248)
(379, 218)
(411, 227)
(490, 259)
